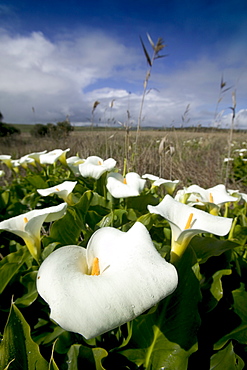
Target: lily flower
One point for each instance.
(28, 225)
(53, 156)
(25, 160)
(214, 197)
(95, 167)
(229, 159)
(169, 185)
(118, 277)
(6, 159)
(186, 222)
(36, 155)
(15, 164)
(123, 187)
(73, 163)
(62, 190)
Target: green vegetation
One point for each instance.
(61, 129)
(202, 324)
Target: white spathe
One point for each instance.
(28, 225)
(36, 155)
(123, 187)
(197, 195)
(95, 166)
(62, 190)
(73, 163)
(53, 156)
(133, 277)
(178, 214)
(169, 185)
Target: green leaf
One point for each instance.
(206, 247)
(226, 359)
(37, 181)
(17, 345)
(67, 230)
(164, 354)
(100, 201)
(167, 335)
(216, 287)
(148, 220)
(11, 264)
(240, 234)
(4, 199)
(141, 202)
(80, 357)
(29, 281)
(240, 308)
(48, 250)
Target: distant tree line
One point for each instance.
(60, 129)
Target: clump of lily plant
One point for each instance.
(118, 277)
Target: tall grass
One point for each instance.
(198, 157)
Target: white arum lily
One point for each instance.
(122, 187)
(53, 156)
(118, 277)
(169, 185)
(229, 159)
(186, 222)
(15, 164)
(63, 190)
(95, 167)
(73, 163)
(36, 155)
(28, 225)
(215, 196)
(25, 160)
(6, 159)
(241, 196)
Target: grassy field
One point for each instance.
(189, 156)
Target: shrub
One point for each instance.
(61, 129)
(8, 130)
(39, 130)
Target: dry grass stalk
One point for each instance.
(230, 139)
(150, 60)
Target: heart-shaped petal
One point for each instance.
(133, 277)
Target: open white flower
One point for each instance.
(36, 155)
(197, 195)
(123, 187)
(118, 277)
(186, 222)
(95, 167)
(73, 163)
(6, 159)
(169, 185)
(214, 197)
(62, 190)
(28, 225)
(53, 156)
(25, 160)
(15, 164)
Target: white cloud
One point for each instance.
(51, 76)
(61, 77)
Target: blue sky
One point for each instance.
(59, 57)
